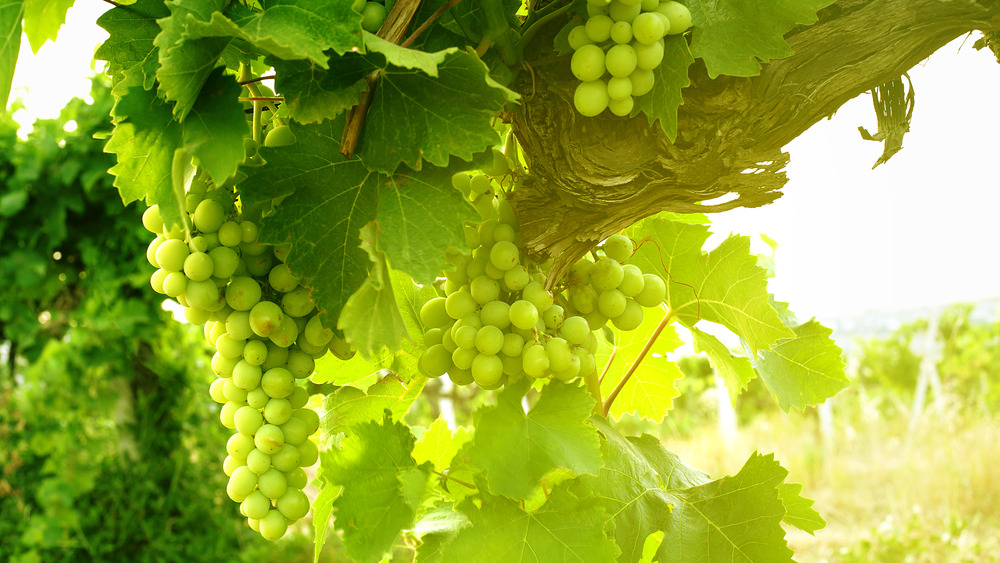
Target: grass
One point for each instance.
(887, 495)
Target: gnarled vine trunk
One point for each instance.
(592, 177)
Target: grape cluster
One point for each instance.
(617, 49)
(266, 334)
(497, 322)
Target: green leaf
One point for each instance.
(322, 509)
(216, 126)
(662, 102)
(410, 297)
(11, 14)
(313, 93)
(331, 369)
(669, 245)
(417, 117)
(805, 370)
(288, 29)
(439, 445)
(372, 509)
(186, 63)
(736, 371)
(407, 58)
(42, 20)
(370, 319)
(651, 389)
(517, 449)
(349, 406)
(437, 528)
(132, 29)
(731, 35)
(798, 509)
(565, 529)
(144, 140)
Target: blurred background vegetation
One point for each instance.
(110, 448)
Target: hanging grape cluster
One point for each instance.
(497, 323)
(618, 48)
(266, 334)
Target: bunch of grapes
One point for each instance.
(617, 50)
(266, 334)
(497, 322)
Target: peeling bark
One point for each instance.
(592, 177)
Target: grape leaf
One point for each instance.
(42, 20)
(288, 29)
(650, 390)
(313, 93)
(185, 63)
(349, 406)
(666, 246)
(407, 58)
(144, 140)
(735, 371)
(372, 509)
(11, 14)
(798, 509)
(215, 127)
(132, 29)
(436, 528)
(731, 35)
(566, 529)
(804, 370)
(322, 508)
(411, 297)
(517, 449)
(661, 103)
(439, 445)
(331, 369)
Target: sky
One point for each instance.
(919, 230)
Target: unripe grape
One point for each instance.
(575, 330)
(373, 17)
(152, 220)
(620, 11)
(294, 504)
(653, 291)
(225, 261)
(230, 464)
(196, 316)
(486, 369)
(272, 483)
(619, 88)
(294, 430)
(434, 314)
(280, 136)
(553, 317)
(248, 420)
(678, 14)
(632, 282)
(223, 367)
(277, 411)
(257, 398)
(308, 453)
(256, 505)
(250, 230)
(598, 28)
(239, 444)
(591, 98)
(496, 313)
(311, 419)
(226, 414)
(215, 390)
(278, 383)
(648, 28)
(606, 274)
(258, 462)
(238, 325)
(523, 314)
(648, 57)
(297, 303)
(265, 318)
(241, 484)
(587, 63)
(297, 479)
(460, 304)
(208, 216)
(621, 32)
(230, 234)
(276, 356)
(611, 303)
(513, 345)
(571, 371)
(460, 377)
(489, 340)
(484, 289)
(516, 278)
(642, 80)
(538, 295)
(630, 318)
(504, 255)
(269, 439)
(246, 376)
(618, 247)
(300, 364)
(435, 360)
(316, 334)
(174, 284)
(299, 398)
(622, 107)
(243, 293)
(577, 38)
(286, 459)
(171, 253)
(259, 266)
(534, 360)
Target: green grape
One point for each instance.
(642, 81)
(575, 330)
(461, 182)
(253, 523)
(198, 266)
(553, 317)
(310, 417)
(432, 337)
(242, 293)
(435, 360)
(448, 342)
(479, 185)
(257, 398)
(218, 329)
(256, 505)
(208, 216)
(288, 333)
(618, 247)
(239, 445)
(583, 298)
(200, 244)
(606, 274)
(649, 5)
(174, 284)
(621, 32)
(516, 278)
(277, 411)
(171, 253)
(460, 304)
(611, 303)
(577, 38)
(196, 316)
(215, 390)
(297, 303)
(484, 289)
(587, 63)
(294, 430)
(223, 367)
(523, 314)
(486, 369)
(599, 8)
(648, 28)
(230, 234)
(246, 376)
(152, 220)
(434, 314)
(238, 325)
(587, 361)
(299, 398)
(630, 318)
(224, 261)
(465, 336)
(286, 459)
(226, 414)
(620, 60)
(250, 231)
(259, 266)
(559, 354)
(228, 347)
(678, 14)
(623, 12)
(504, 255)
(596, 319)
(619, 88)
(258, 461)
(496, 313)
(247, 420)
(591, 98)
(513, 345)
(300, 364)
(489, 340)
(580, 272)
(534, 360)
(538, 295)
(278, 383)
(269, 439)
(653, 291)
(151, 251)
(504, 232)
(272, 483)
(308, 453)
(373, 17)
(648, 57)
(598, 28)
(632, 281)
(475, 268)
(241, 484)
(571, 371)
(230, 464)
(280, 136)
(191, 202)
(317, 334)
(265, 318)
(294, 504)
(493, 272)
(460, 377)
(281, 251)
(297, 478)
(276, 356)
(462, 357)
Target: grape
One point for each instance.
(316, 334)
(242, 293)
(198, 266)
(308, 453)
(559, 354)
(434, 314)
(265, 318)
(619, 88)
(496, 313)
(257, 398)
(278, 383)
(460, 304)
(486, 369)
(294, 504)
(372, 17)
(208, 216)
(280, 136)
(228, 347)
(461, 181)
(239, 445)
(230, 464)
(597, 8)
(286, 459)
(277, 411)
(648, 57)
(598, 28)
(295, 430)
(246, 376)
(649, 5)
(226, 414)
(489, 340)
(248, 420)
(462, 357)
(152, 220)
(460, 377)
(504, 255)
(299, 398)
(611, 303)
(174, 284)
(523, 314)
(276, 356)
(504, 232)
(234, 394)
(620, 11)
(516, 278)
(250, 230)
(151, 251)
(258, 461)
(553, 317)
(435, 360)
(591, 98)
(259, 266)
(230, 234)
(618, 247)
(575, 330)
(269, 439)
(238, 325)
(606, 274)
(196, 316)
(534, 360)
(632, 282)
(648, 28)
(272, 483)
(642, 79)
(465, 337)
(223, 367)
(571, 371)
(538, 295)
(513, 345)
(583, 298)
(678, 14)
(630, 318)
(199, 244)
(225, 262)
(297, 303)
(621, 60)
(596, 319)
(171, 253)
(256, 505)
(484, 289)
(587, 361)
(577, 38)
(587, 63)
(297, 478)
(241, 483)
(653, 291)
(215, 390)
(479, 185)
(300, 364)
(621, 32)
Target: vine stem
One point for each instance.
(178, 171)
(645, 350)
(533, 28)
(427, 23)
(463, 483)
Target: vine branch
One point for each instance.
(638, 360)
